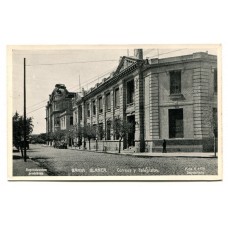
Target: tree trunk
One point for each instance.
(119, 145)
(22, 153)
(89, 144)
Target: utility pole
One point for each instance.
(25, 155)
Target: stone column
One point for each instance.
(200, 101)
(112, 111)
(139, 109)
(154, 104)
(104, 114)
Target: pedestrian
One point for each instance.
(164, 146)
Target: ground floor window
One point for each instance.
(100, 131)
(215, 122)
(176, 129)
(108, 132)
(131, 134)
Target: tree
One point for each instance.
(89, 132)
(40, 139)
(121, 128)
(59, 135)
(18, 130)
(77, 133)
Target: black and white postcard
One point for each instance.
(124, 112)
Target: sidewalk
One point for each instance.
(155, 154)
(28, 168)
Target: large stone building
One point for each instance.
(59, 112)
(170, 98)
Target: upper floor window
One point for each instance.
(88, 110)
(130, 92)
(80, 112)
(71, 120)
(108, 101)
(117, 98)
(100, 105)
(215, 81)
(175, 82)
(94, 107)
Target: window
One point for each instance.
(175, 82)
(108, 101)
(176, 123)
(100, 105)
(94, 131)
(215, 81)
(94, 107)
(71, 120)
(130, 92)
(88, 110)
(100, 131)
(57, 121)
(80, 112)
(108, 132)
(117, 98)
(215, 122)
(117, 128)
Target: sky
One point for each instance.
(54, 65)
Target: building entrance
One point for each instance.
(176, 129)
(131, 134)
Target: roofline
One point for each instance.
(113, 79)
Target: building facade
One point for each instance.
(171, 98)
(180, 100)
(59, 111)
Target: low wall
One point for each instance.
(181, 145)
(104, 145)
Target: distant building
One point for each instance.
(168, 98)
(59, 113)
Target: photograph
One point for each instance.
(114, 112)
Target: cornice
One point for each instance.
(109, 82)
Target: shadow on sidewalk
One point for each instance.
(17, 157)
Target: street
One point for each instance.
(71, 162)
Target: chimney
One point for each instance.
(138, 53)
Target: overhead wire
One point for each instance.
(77, 87)
(96, 77)
(63, 63)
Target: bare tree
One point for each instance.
(121, 128)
